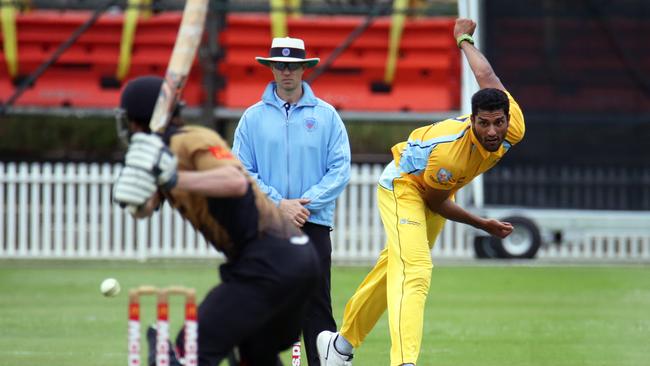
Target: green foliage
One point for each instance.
(47, 137)
(369, 138)
(53, 313)
(95, 139)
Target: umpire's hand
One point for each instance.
(294, 210)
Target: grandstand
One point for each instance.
(427, 69)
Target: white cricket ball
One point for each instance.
(110, 287)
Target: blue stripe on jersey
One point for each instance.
(416, 154)
(506, 145)
(390, 172)
(414, 158)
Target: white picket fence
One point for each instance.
(65, 211)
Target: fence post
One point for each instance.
(35, 182)
(93, 213)
(70, 208)
(338, 247)
(365, 212)
(81, 183)
(142, 238)
(167, 229)
(105, 187)
(7, 241)
(178, 233)
(119, 236)
(154, 234)
(46, 241)
(58, 209)
(645, 247)
(353, 210)
(23, 208)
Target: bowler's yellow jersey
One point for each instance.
(447, 155)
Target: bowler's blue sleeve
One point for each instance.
(245, 152)
(338, 168)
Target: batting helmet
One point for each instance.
(139, 98)
(137, 102)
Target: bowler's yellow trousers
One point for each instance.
(400, 279)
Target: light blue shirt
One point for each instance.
(302, 152)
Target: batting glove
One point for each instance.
(133, 187)
(149, 153)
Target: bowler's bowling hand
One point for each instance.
(498, 228)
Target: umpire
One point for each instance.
(270, 265)
(296, 147)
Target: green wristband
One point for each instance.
(464, 37)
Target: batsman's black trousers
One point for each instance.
(318, 314)
(259, 305)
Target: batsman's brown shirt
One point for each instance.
(198, 148)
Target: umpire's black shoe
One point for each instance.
(151, 342)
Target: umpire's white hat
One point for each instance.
(287, 50)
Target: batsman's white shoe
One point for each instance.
(327, 353)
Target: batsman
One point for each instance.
(271, 265)
(416, 195)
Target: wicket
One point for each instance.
(295, 354)
(162, 324)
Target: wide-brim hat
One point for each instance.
(287, 49)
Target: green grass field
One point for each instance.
(51, 313)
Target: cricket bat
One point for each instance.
(180, 63)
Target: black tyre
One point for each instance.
(484, 248)
(524, 241)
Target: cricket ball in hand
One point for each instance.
(110, 287)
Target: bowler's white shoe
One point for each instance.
(327, 353)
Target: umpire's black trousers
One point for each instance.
(318, 314)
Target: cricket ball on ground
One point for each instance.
(110, 287)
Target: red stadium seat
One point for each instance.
(427, 74)
(427, 77)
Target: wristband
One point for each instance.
(464, 37)
(171, 183)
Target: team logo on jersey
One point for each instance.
(443, 176)
(406, 221)
(221, 152)
(310, 124)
